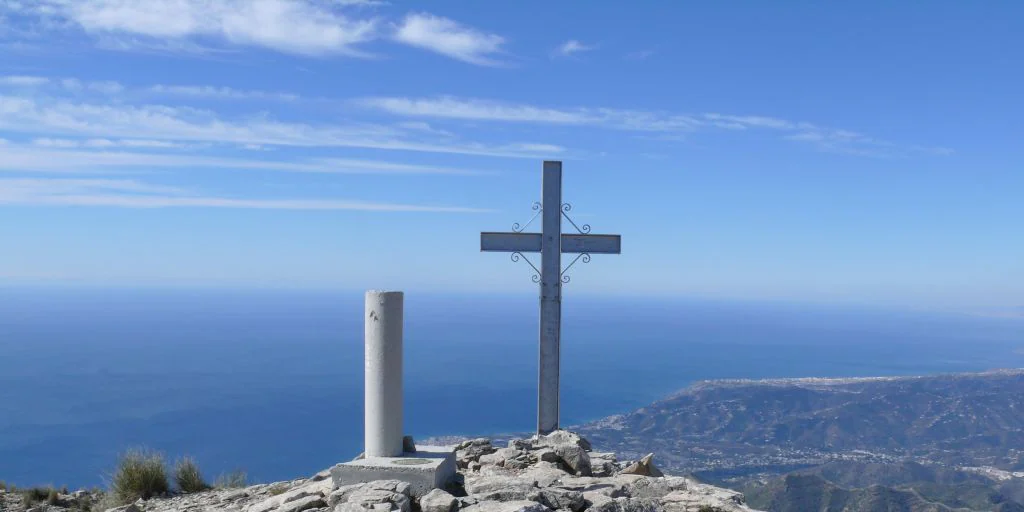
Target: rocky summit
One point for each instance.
(558, 471)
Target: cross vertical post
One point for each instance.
(550, 243)
(550, 298)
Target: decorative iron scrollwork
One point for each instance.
(537, 208)
(566, 208)
(516, 256)
(585, 257)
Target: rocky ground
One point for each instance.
(557, 472)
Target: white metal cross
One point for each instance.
(550, 243)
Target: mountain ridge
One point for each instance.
(746, 433)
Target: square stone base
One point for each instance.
(430, 467)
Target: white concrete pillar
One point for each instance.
(383, 413)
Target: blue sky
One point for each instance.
(867, 152)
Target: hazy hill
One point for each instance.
(910, 442)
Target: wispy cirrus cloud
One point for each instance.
(67, 84)
(207, 91)
(572, 47)
(73, 156)
(108, 143)
(23, 81)
(134, 194)
(448, 37)
(303, 27)
(826, 138)
(67, 117)
(112, 87)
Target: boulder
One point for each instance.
(644, 467)
(499, 457)
(311, 489)
(543, 474)
(374, 495)
(627, 505)
(437, 501)
(341, 494)
(575, 457)
(508, 506)
(647, 487)
(500, 488)
(470, 451)
(485, 484)
(562, 499)
(520, 444)
(603, 464)
(301, 504)
(563, 437)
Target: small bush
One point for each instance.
(234, 479)
(3, 485)
(277, 489)
(52, 498)
(187, 476)
(34, 495)
(140, 474)
(107, 501)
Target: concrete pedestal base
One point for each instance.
(430, 467)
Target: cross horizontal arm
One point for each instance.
(531, 242)
(510, 242)
(593, 244)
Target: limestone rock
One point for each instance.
(562, 499)
(648, 487)
(382, 494)
(302, 504)
(603, 464)
(531, 475)
(644, 466)
(323, 475)
(341, 494)
(317, 489)
(508, 506)
(499, 457)
(499, 488)
(437, 501)
(471, 451)
(575, 457)
(628, 505)
(563, 437)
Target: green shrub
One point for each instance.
(277, 489)
(187, 476)
(52, 498)
(34, 495)
(234, 479)
(3, 485)
(140, 474)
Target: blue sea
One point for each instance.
(270, 381)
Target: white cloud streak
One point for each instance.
(572, 47)
(61, 156)
(448, 107)
(158, 122)
(23, 81)
(133, 194)
(303, 27)
(486, 110)
(447, 37)
(206, 91)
